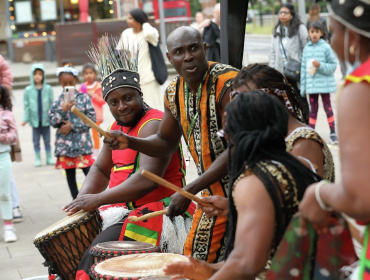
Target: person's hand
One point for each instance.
(117, 141)
(303, 93)
(204, 23)
(220, 202)
(66, 128)
(194, 269)
(315, 63)
(23, 123)
(179, 204)
(87, 202)
(311, 211)
(67, 106)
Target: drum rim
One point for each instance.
(50, 235)
(109, 252)
(96, 275)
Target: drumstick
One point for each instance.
(88, 121)
(357, 231)
(147, 216)
(175, 188)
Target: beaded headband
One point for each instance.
(117, 65)
(67, 69)
(353, 14)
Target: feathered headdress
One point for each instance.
(116, 63)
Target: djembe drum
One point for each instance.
(64, 243)
(133, 267)
(106, 250)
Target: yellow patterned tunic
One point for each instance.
(200, 122)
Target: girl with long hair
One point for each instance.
(8, 136)
(289, 38)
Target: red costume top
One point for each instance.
(127, 162)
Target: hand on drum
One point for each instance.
(194, 269)
(311, 211)
(117, 141)
(87, 202)
(218, 201)
(179, 204)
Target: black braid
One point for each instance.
(256, 125)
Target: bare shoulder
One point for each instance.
(248, 189)
(356, 95)
(306, 148)
(149, 128)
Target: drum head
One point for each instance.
(59, 227)
(127, 246)
(135, 266)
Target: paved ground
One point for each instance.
(44, 191)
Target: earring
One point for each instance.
(352, 49)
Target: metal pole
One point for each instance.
(302, 10)
(61, 10)
(162, 28)
(9, 32)
(260, 12)
(233, 20)
(118, 8)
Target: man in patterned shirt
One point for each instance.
(194, 106)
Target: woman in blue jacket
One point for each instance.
(317, 75)
(38, 98)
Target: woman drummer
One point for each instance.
(301, 141)
(350, 27)
(261, 170)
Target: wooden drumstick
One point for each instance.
(147, 216)
(175, 188)
(88, 121)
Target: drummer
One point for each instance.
(194, 104)
(266, 185)
(120, 169)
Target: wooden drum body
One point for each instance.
(134, 267)
(106, 250)
(64, 243)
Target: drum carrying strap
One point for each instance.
(148, 231)
(365, 258)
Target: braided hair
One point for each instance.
(266, 77)
(256, 125)
(5, 98)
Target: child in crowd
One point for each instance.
(38, 98)
(73, 146)
(317, 75)
(8, 136)
(93, 89)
